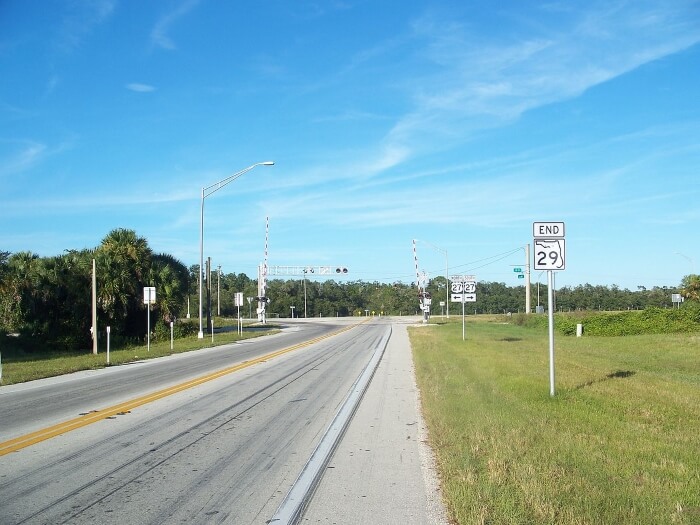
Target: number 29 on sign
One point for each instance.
(550, 254)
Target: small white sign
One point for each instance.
(463, 297)
(149, 294)
(548, 230)
(238, 299)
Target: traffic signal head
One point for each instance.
(341, 269)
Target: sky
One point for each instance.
(457, 123)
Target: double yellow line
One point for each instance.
(27, 440)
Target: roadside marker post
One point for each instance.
(550, 255)
(149, 297)
(108, 330)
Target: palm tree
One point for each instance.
(691, 287)
(123, 261)
(19, 290)
(171, 279)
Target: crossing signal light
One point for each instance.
(341, 269)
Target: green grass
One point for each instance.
(21, 367)
(618, 443)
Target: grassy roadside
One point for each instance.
(617, 444)
(18, 369)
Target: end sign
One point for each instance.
(548, 230)
(549, 244)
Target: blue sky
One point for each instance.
(458, 123)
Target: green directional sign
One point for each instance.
(521, 276)
(517, 270)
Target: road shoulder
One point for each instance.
(383, 470)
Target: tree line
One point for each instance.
(48, 299)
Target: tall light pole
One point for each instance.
(447, 275)
(205, 193)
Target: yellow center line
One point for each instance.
(64, 427)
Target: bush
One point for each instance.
(161, 331)
(610, 324)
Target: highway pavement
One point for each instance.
(165, 446)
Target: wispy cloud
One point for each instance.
(80, 20)
(18, 156)
(501, 191)
(140, 88)
(27, 156)
(160, 33)
(479, 83)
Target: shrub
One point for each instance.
(161, 330)
(634, 322)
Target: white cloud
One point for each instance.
(140, 88)
(28, 156)
(480, 82)
(81, 19)
(160, 33)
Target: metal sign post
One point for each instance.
(550, 311)
(464, 324)
(550, 255)
(149, 297)
(463, 291)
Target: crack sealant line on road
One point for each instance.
(20, 442)
(295, 502)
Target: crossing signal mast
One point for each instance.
(264, 270)
(421, 282)
(262, 280)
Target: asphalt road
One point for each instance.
(29, 406)
(225, 451)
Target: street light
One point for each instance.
(690, 260)
(205, 193)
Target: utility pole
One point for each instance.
(94, 308)
(208, 277)
(218, 294)
(528, 300)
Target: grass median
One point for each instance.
(618, 443)
(18, 367)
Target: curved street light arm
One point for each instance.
(206, 191)
(218, 185)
